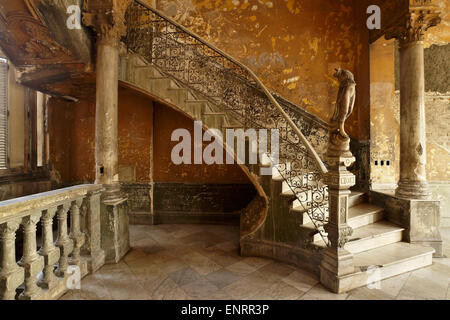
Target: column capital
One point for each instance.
(107, 18)
(421, 16)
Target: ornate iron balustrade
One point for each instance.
(214, 75)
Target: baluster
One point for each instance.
(31, 261)
(48, 250)
(11, 275)
(64, 243)
(75, 231)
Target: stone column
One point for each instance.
(107, 17)
(413, 157)
(420, 214)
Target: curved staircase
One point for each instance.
(285, 221)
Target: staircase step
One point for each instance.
(356, 198)
(386, 262)
(364, 214)
(373, 236)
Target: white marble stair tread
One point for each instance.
(373, 236)
(364, 214)
(390, 254)
(356, 198)
(386, 262)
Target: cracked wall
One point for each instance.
(297, 57)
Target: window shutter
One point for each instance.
(3, 114)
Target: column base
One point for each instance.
(112, 193)
(115, 238)
(413, 190)
(335, 268)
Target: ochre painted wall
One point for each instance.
(135, 132)
(292, 45)
(166, 121)
(72, 132)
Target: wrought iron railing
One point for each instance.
(227, 83)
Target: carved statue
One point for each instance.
(339, 139)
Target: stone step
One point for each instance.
(388, 261)
(364, 214)
(356, 197)
(373, 236)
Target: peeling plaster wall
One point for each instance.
(184, 193)
(292, 45)
(440, 34)
(384, 122)
(168, 120)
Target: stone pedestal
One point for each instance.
(336, 261)
(115, 236)
(91, 217)
(420, 218)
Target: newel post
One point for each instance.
(337, 262)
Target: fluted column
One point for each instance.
(31, 261)
(106, 17)
(11, 275)
(48, 250)
(413, 155)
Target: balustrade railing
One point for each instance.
(227, 83)
(53, 269)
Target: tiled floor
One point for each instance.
(202, 262)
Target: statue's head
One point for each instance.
(344, 76)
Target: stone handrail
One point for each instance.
(74, 254)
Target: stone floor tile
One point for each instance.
(241, 268)
(257, 262)
(242, 289)
(323, 293)
(302, 280)
(201, 288)
(366, 293)
(225, 259)
(283, 291)
(184, 276)
(222, 278)
(167, 262)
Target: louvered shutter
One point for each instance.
(3, 114)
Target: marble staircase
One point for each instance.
(376, 243)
